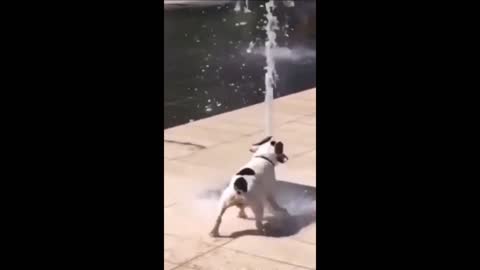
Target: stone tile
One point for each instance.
(178, 250)
(171, 150)
(280, 249)
(255, 116)
(297, 134)
(309, 120)
(309, 95)
(299, 169)
(169, 266)
(232, 156)
(216, 124)
(195, 218)
(294, 106)
(307, 235)
(184, 181)
(198, 135)
(229, 156)
(222, 259)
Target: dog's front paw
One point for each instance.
(214, 234)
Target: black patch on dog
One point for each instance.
(263, 141)
(246, 171)
(240, 185)
(272, 143)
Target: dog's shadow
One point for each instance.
(299, 200)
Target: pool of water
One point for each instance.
(214, 61)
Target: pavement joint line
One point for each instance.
(271, 259)
(170, 205)
(190, 238)
(198, 146)
(165, 260)
(182, 157)
(212, 146)
(243, 252)
(304, 242)
(202, 254)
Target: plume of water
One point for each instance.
(246, 9)
(271, 74)
(237, 6)
(289, 3)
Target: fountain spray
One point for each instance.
(271, 75)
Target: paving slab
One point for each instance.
(200, 158)
(299, 169)
(284, 250)
(179, 250)
(222, 259)
(169, 266)
(178, 175)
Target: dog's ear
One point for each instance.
(281, 157)
(255, 146)
(263, 141)
(279, 148)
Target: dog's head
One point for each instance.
(270, 149)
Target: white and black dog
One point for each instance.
(254, 184)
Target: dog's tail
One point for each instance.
(240, 185)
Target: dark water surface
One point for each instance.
(208, 69)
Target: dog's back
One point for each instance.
(254, 179)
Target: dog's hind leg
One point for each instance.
(242, 213)
(271, 200)
(257, 209)
(223, 207)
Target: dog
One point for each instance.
(253, 184)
